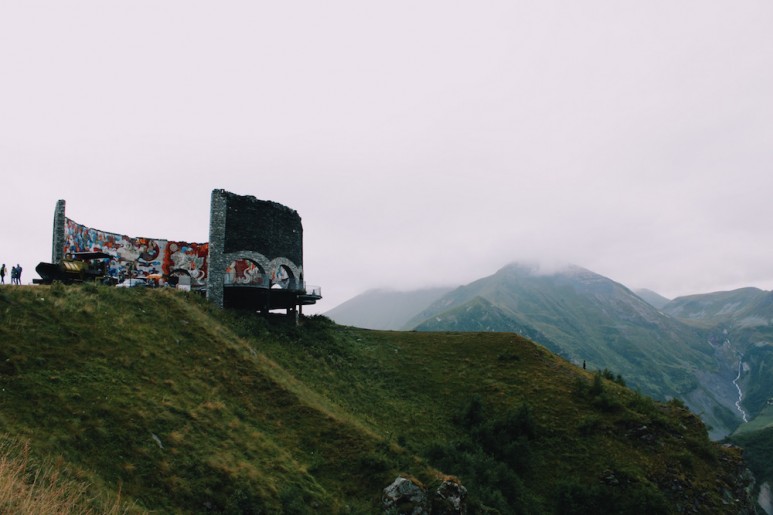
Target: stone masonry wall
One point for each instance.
(57, 252)
(262, 226)
(243, 226)
(216, 258)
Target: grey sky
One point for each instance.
(422, 143)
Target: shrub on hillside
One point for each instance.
(492, 455)
(582, 498)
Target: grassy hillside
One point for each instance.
(756, 438)
(762, 421)
(757, 442)
(583, 316)
(187, 408)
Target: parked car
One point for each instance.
(133, 282)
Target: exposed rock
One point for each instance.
(765, 499)
(405, 497)
(450, 499)
(408, 497)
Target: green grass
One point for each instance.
(756, 438)
(758, 447)
(763, 420)
(189, 408)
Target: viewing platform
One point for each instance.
(261, 295)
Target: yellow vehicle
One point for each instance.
(77, 267)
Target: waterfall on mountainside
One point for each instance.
(738, 387)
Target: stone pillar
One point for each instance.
(57, 245)
(216, 260)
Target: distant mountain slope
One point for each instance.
(741, 307)
(384, 309)
(481, 315)
(587, 317)
(191, 409)
(740, 323)
(652, 298)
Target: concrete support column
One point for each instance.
(57, 245)
(216, 261)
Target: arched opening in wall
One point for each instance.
(282, 277)
(181, 279)
(245, 272)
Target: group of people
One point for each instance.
(15, 274)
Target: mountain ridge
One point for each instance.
(653, 298)
(586, 317)
(731, 381)
(383, 308)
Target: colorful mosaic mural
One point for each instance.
(245, 272)
(140, 257)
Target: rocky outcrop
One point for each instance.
(450, 498)
(765, 499)
(409, 497)
(405, 496)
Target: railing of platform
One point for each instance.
(314, 290)
(263, 281)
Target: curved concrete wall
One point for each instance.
(244, 228)
(254, 243)
(139, 256)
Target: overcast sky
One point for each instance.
(422, 142)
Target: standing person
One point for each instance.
(2, 274)
(13, 275)
(18, 274)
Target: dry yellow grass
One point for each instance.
(27, 488)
